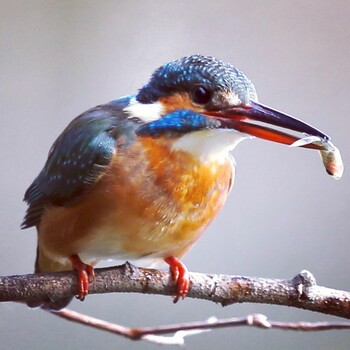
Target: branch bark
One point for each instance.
(300, 292)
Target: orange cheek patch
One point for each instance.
(178, 101)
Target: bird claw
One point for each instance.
(180, 276)
(86, 275)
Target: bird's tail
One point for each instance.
(44, 264)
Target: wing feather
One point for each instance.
(77, 159)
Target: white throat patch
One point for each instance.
(147, 112)
(210, 145)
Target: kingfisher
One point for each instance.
(144, 175)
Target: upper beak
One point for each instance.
(244, 118)
(249, 119)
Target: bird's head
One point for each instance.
(202, 94)
(198, 83)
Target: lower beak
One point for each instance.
(252, 119)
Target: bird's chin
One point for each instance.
(210, 145)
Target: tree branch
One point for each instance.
(300, 292)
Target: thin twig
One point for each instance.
(179, 331)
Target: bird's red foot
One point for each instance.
(86, 275)
(180, 275)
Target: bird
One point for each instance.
(142, 176)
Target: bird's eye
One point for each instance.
(201, 95)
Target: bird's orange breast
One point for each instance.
(152, 201)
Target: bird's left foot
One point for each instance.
(86, 275)
(180, 275)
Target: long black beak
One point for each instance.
(248, 119)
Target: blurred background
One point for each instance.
(285, 214)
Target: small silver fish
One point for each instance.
(330, 154)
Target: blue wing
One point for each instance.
(77, 159)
